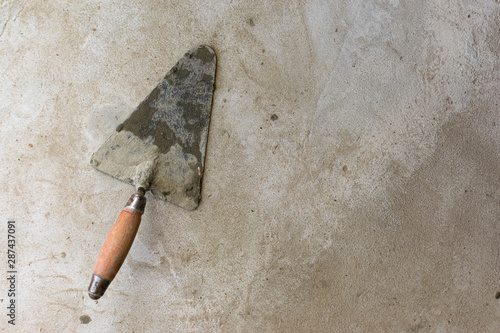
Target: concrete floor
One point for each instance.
(352, 172)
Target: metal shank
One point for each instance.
(137, 202)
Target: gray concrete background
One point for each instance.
(371, 204)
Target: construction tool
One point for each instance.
(160, 148)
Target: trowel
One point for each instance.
(159, 148)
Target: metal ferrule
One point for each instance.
(97, 287)
(137, 202)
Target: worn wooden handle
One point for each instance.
(116, 247)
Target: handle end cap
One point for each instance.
(97, 287)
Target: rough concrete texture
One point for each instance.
(351, 180)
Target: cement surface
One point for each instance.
(351, 179)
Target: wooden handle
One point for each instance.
(116, 247)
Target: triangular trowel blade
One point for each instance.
(171, 127)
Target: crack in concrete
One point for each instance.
(11, 18)
(5, 25)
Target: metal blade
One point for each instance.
(170, 127)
